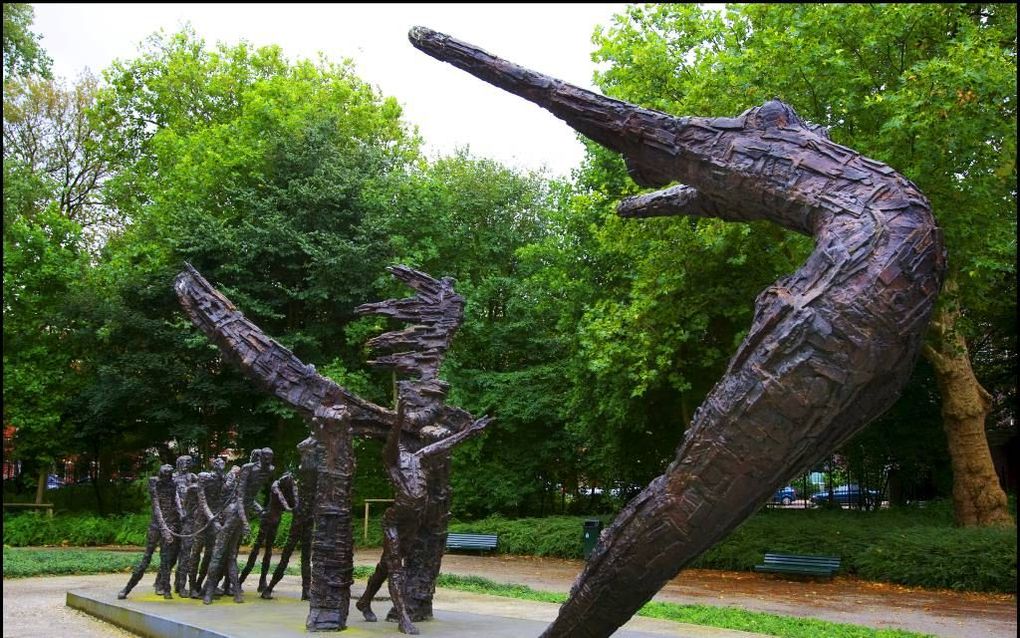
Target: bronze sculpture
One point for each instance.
(282, 498)
(435, 312)
(197, 516)
(212, 484)
(830, 348)
(301, 523)
(164, 524)
(234, 522)
(335, 414)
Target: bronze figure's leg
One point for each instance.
(281, 567)
(253, 556)
(333, 533)
(375, 582)
(152, 538)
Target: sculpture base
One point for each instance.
(462, 616)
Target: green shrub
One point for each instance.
(962, 559)
(918, 547)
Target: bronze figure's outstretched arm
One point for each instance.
(831, 345)
(269, 364)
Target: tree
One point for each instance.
(48, 129)
(929, 89)
(43, 258)
(22, 53)
(265, 174)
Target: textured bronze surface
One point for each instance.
(282, 498)
(423, 436)
(301, 524)
(830, 347)
(164, 526)
(435, 312)
(211, 483)
(241, 488)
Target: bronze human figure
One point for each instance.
(435, 312)
(830, 347)
(212, 484)
(405, 458)
(322, 402)
(165, 522)
(282, 498)
(301, 523)
(197, 517)
(234, 524)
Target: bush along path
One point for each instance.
(912, 547)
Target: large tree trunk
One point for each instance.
(978, 499)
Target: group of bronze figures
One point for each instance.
(419, 435)
(199, 520)
(830, 348)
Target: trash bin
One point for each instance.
(592, 529)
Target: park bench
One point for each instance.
(481, 542)
(824, 566)
(44, 506)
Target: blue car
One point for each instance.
(785, 495)
(847, 495)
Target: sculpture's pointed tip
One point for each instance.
(418, 34)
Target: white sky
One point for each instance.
(451, 108)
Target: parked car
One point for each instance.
(846, 495)
(53, 482)
(785, 495)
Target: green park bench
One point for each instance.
(824, 566)
(481, 542)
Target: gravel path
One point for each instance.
(941, 613)
(34, 607)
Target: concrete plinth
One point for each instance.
(457, 615)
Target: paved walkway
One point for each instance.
(940, 613)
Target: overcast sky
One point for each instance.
(451, 108)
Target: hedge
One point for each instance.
(917, 547)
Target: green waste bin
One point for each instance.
(592, 529)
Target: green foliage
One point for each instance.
(33, 529)
(763, 623)
(25, 563)
(909, 546)
(22, 53)
(929, 89)
(43, 260)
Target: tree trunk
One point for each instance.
(978, 499)
(40, 487)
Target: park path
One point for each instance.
(941, 613)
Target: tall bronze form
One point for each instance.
(335, 413)
(212, 483)
(831, 345)
(435, 312)
(235, 522)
